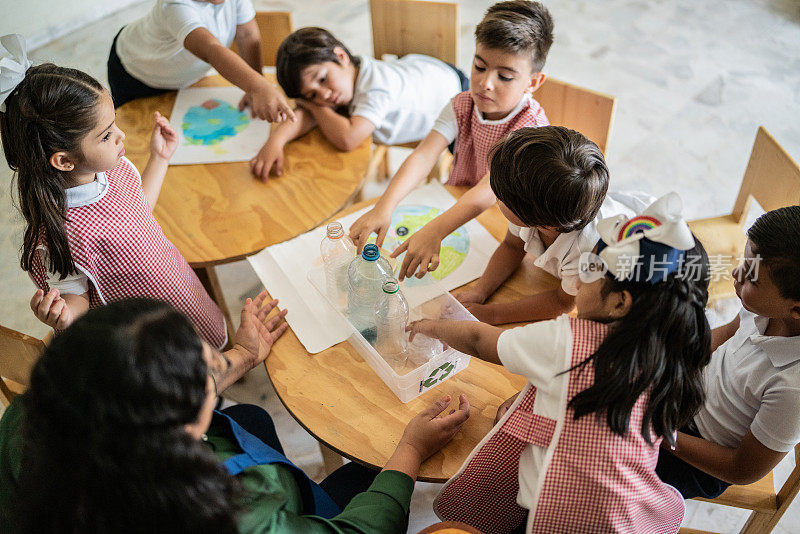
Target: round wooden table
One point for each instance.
(337, 397)
(219, 213)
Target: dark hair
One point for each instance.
(305, 47)
(51, 110)
(549, 176)
(519, 27)
(659, 348)
(775, 236)
(105, 447)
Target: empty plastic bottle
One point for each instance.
(365, 277)
(391, 318)
(337, 252)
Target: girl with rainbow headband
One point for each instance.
(579, 445)
(90, 235)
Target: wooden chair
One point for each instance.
(450, 527)
(768, 506)
(772, 178)
(401, 27)
(18, 353)
(583, 110)
(274, 26)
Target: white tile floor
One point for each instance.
(693, 80)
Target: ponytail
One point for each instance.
(50, 111)
(659, 347)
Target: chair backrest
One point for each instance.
(450, 527)
(772, 177)
(18, 353)
(274, 26)
(588, 112)
(401, 27)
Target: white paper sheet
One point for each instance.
(211, 129)
(283, 268)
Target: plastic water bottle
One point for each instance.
(365, 277)
(337, 252)
(391, 318)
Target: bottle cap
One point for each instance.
(335, 230)
(371, 252)
(391, 286)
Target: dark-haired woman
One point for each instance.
(119, 434)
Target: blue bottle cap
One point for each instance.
(371, 252)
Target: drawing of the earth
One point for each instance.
(212, 122)
(408, 219)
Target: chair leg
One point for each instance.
(330, 460)
(760, 523)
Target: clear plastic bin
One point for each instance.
(417, 374)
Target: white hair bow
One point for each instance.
(13, 68)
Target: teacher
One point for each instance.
(118, 432)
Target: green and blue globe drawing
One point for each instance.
(212, 122)
(409, 218)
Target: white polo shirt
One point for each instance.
(753, 383)
(561, 259)
(402, 97)
(151, 48)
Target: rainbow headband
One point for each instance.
(648, 247)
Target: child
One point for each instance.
(353, 97)
(579, 444)
(551, 185)
(91, 236)
(749, 420)
(176, 44)
(511, 46)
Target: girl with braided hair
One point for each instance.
(576, 450)
(90, 235)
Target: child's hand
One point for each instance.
(422, 252)
(51, 309)
(485, 313)
(270, 155)
(473, 295)
(164, 140)
(267, 103)
(375, 220)
(426, 327)
(427, 433)
(501, 411)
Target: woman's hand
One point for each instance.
(501, 411)
(427, 433)
(164, 139)
(256, 332)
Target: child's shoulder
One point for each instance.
(125, 170)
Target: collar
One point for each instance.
(781, 350)
(85, 194)
(524, 101)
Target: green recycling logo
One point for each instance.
(438, 374)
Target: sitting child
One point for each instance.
(178, 41)
(749, 420)
(551, 185)
(579, 444)
(352, 98)
(511, 46)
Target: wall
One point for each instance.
(42, 21)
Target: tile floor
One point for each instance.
(693, 80)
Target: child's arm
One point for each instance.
(747, 463)
(723, 333)
(58, 311)
(271, 154)
(538, 307)
(265, 100)
(505, 260)
(163, 143)
(422, 248)
(345, 133)
(469, 337)
(413, 171)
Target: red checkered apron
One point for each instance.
(593, 481)
(117, 243)
(475, 140)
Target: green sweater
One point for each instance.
(271, 501)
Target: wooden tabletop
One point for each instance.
(337, 397)
(218, 212)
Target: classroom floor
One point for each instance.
(693, 80)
